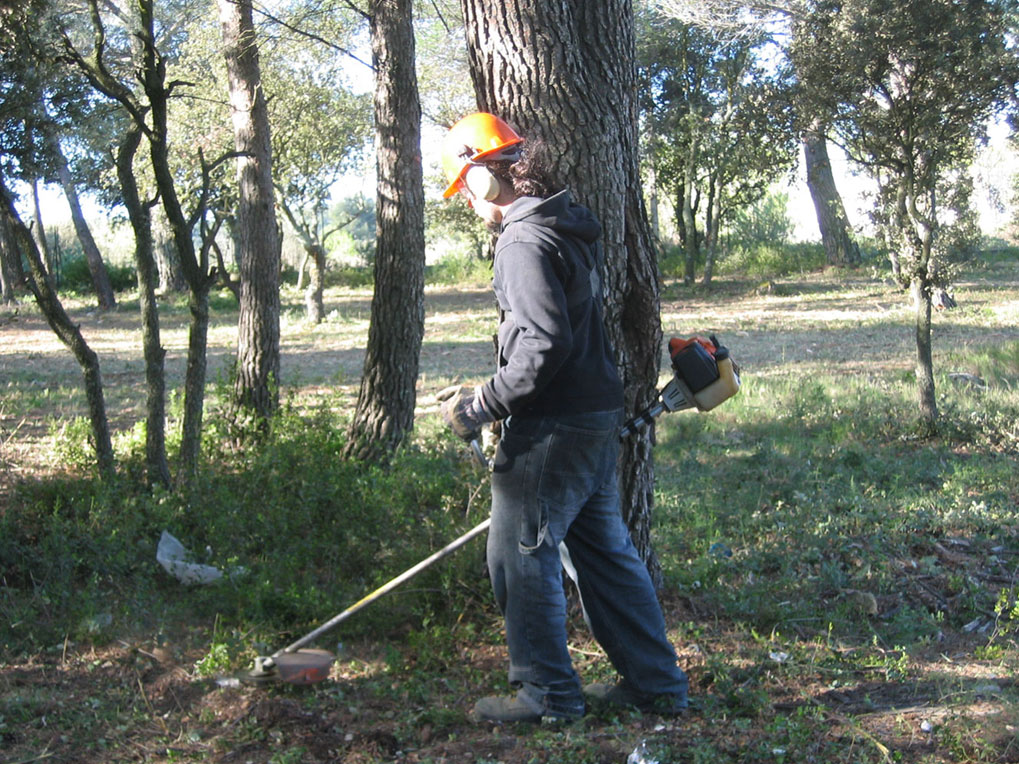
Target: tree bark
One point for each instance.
(832, 221)
(917, 229)
(258, 335)
(385, 403)
(924, 356)
(41, 285)
(565, 72)
(313, 296)
(96, 266)
(11, 273)
(689, 228)
(157, 468)
(171, 275)
(711, 232)
(41, 242)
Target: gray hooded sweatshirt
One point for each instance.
(554, 355)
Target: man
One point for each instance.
(555, 499)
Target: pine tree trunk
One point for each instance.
(832, 221)
(564, 72)
(385, 403)
(258, 334)
(96, 266)
(156, 465)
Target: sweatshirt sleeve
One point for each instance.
(536, 337)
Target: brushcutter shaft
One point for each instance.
(387, 587)
(675, 396)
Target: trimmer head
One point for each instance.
(304, 666)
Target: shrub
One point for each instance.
(76, 277)
(760, 261)
(460, 268)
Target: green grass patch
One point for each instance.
(806, 505)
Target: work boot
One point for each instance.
(621, 694)
(517, 708)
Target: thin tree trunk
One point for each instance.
(156, 465)
(711, 236)
(652, 202)
(313, 295)
(385, 403)
(11, 274)
(689, 212)
(258, 335)
(41, 285)
(194, 382)
(39, 233)
(195, 268)
(573, 85)
(924, 356)
(680, 223)
(832, 221)
(96, 266)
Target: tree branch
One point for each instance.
(317, 38)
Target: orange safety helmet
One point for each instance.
(475, 138)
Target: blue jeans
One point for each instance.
(554, 482)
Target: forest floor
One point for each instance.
(950, 700)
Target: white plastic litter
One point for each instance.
(641, 755)
(176, 560)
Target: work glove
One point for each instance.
(462, 409)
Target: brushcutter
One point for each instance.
(704, 376)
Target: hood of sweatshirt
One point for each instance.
(557, 212)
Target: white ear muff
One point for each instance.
(482, 183)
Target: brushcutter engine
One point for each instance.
(704, 376)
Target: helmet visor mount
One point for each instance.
(480, 159)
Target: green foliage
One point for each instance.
(781, 519)
(764, 260)
(998, 365)
(909, 99)
(76, 277)
(459, 269)
(453, 229)
(718, 120)
(764, 222)
(350, 276)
